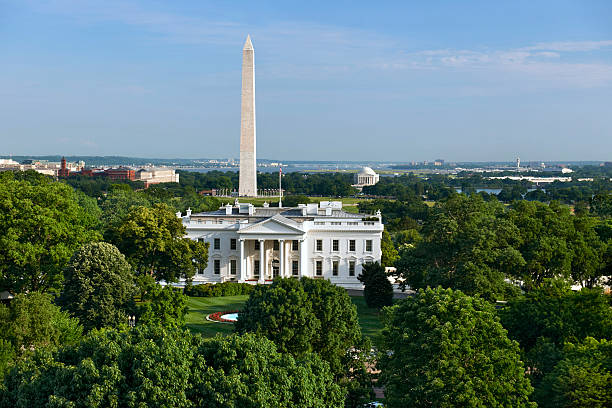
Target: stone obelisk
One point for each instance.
(248, 162)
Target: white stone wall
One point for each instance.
(326, 232)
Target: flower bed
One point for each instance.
(218, 316)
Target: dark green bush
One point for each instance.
(219, 289)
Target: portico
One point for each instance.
(269, 248)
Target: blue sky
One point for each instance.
(336, 80)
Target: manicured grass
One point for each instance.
(369, 319)
(200, 307)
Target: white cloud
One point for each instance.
(570, 46)
(315, 51)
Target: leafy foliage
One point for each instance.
(389, 253)
(303, 316)
(447, 349)
(546, 318)
(219, 289)
(378, 291)
(99, 287)
(152, 240)
(42, 224)
(31, 321)
(283, 313)
(166, 306)
(468, 244)
(583, 378)
(152, 366)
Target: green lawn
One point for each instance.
(200, 307)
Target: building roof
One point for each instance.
(286, 212)
(367, 171)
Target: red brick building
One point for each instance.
(63, 171)
(121, 173)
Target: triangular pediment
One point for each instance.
(274, 225)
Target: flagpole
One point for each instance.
(280, 188)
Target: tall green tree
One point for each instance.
(544, 232)
(446, 349)
(283, 313)
(583, 378)
(153, 241)
(166, 306)
(99, 286)
(31, 322)
(546, 318)
(468, 244)
(303, 316)
(150, 366)
(42, 225)
(248, 371)
(389, 253)
(378, 291)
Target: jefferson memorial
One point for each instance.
(257, 244)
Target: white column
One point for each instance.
(302, 263)
(241, 273)
(262, 261)
(281, 250)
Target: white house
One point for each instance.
(257, 244)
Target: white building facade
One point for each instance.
(256, 244)
(366, 177)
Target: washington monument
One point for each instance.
(248, 162)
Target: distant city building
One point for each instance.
(439, 162)
(155, 175)
(211, 192)
(63, 171)
(518, 162)
(120, 173)
(366, 177)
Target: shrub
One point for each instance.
(219, 289)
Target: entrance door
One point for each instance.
(275, 268)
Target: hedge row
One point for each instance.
(219, 289)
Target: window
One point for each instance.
(368, 245)
(335, 245)
(351, 268)
(295, 245)
(256, 267)
(257, 245)
(276, 245)
(233, 266)
(295, 268)
(217, 243)
(319, 268)
(335, 268)
(233, 244)
(351, 245)
(319, 244)
(217, 266)
(336, 223)
(200, 239)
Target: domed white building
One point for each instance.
(366, 177)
